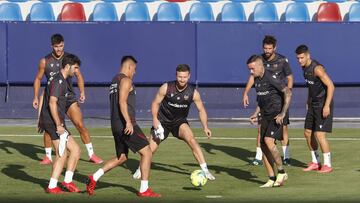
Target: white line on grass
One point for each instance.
(200, 138)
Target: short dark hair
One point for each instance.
(56, 39)
(127, 58)
(301, 49)
(268, 39)
(70, 59)
(183, 68)
(253, 58)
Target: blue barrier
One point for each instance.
(215, 51)
(3, 67)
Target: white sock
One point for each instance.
(52, 183)
(315, 157)
(98, 174)
(327, 159)
(286, 151)
(68, 176)
(90, 149)
(259, 153)
(204, 167)
(144, 185)
(48, 151)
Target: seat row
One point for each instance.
(199, 11)
(338, 1)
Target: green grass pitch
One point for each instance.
(23, 179)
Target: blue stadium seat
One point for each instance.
(50, 0)
(17, 0)
(354, 12)
(169, 12)
(273, 0)
(265, 12)
(137, 11)
(297, 12)
(10, 12)
(104, 12)
(240, 0)
(113, 0)
(233, 12)
(305, 0)
(41, 12)
(201, 12)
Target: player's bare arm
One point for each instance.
(81, 85)
(287, 98)
(202, 113)
(249, 84)
(155, 105)
(254, 117)
(124, 89)
(37, 82)
(290, 81)
(320, 72)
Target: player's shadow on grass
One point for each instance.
(15, 171)
(236, 152)
(25, 149)
(234, 172)
(101, 184)
(132, 165)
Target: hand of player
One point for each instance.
(245, 100)
(36, 103)
(129, 128)
(280, 118)
(60, 129)
(253, 119)
(207, 132)
(82, 97)
(326, 111)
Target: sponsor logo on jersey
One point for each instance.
(186, 97)
(310, 82)
(262, 93)
(178, 105)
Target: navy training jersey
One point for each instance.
(53, 66)
(115, 111)
(269, 93)
(317, 89)
(279, 66)
(176, 104)
(57, 88)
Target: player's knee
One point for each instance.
(122, 159)
(307, 133)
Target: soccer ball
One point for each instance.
(198, 178)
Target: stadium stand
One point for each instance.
(265, 12)
(233, 12)
(329, 12)
(354, 12)
(137, 11)
(72, 12)
(297, 12)
(10, 12)
(104, 12)
(41, 12)
(169, 12)
(201, 11)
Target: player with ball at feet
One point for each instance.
(170, 109)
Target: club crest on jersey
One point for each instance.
(186, 97)
(57, 65)
(51, 64)
(60, 81)
(178, 98)
(171, 95)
